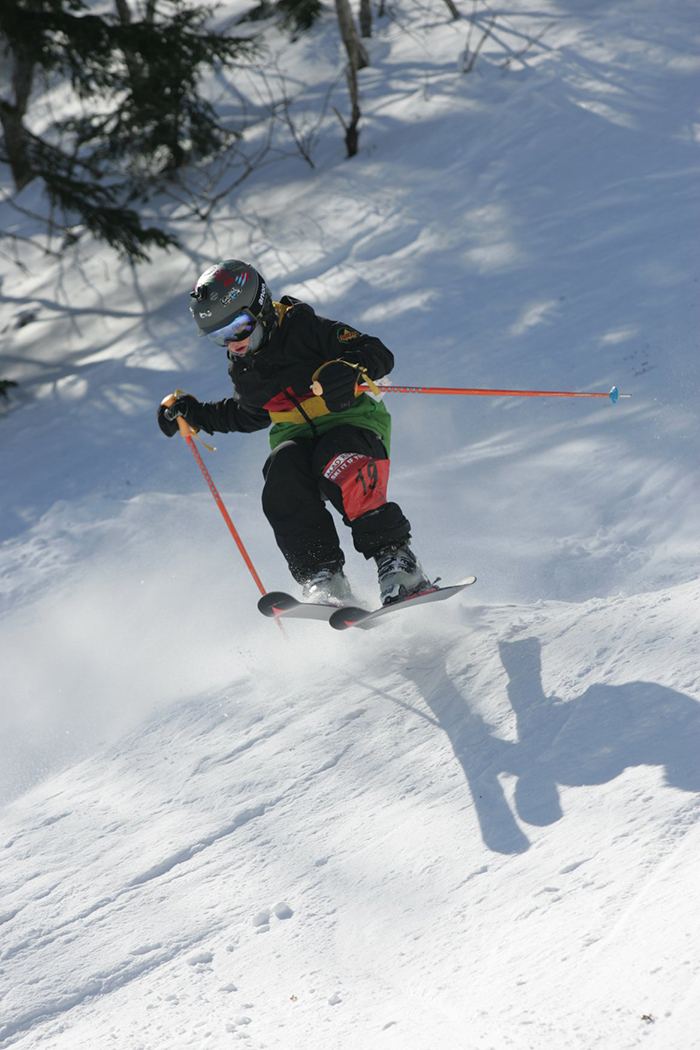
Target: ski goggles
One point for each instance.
(240, 328)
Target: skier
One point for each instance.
(332, 446)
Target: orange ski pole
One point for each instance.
(613, 394)
(188, 434)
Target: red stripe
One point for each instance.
(282, 402)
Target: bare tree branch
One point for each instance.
(467, 59)
(452, 9)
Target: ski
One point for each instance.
(349, 616)
(279, 603)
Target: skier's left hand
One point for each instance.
(338, 380)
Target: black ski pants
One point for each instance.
(347, 466)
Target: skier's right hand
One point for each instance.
(186, 406)
(337, 380)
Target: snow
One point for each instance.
(476, 827)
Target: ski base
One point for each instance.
(349, 616)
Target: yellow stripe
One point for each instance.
(313, 406)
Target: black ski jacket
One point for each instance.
(274, 385)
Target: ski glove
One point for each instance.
(338, 380)
(186, 406)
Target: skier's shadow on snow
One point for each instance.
(587, 740)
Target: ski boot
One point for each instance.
(327, 587)
(400, 573)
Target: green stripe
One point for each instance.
(366, 413)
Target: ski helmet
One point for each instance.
(231, 302)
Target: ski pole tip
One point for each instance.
(614, 395)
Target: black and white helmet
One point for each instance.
(231, 303)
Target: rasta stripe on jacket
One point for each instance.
(274, 385)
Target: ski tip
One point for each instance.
(347, 617)
(275, 602)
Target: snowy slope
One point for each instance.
(478, 826)
(486, 839)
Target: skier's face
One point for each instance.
(239, 347)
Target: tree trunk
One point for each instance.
(15, 138)
(352, 134)
(133, 63)
(353, 45)
(357, 59)
(365, 19)
(139, 82)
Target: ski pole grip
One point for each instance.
(317, 389)
(183, 426)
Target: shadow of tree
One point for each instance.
(590, 739)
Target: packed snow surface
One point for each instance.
(476, 827)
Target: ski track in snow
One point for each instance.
(478, 827)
